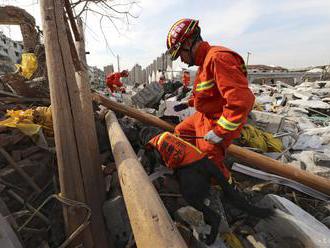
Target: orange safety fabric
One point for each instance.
(113, 81)
(175, 151)
(186, 78)
(221, 97)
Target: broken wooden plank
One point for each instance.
(6, 93)
(19, 99)
(132, 112)
(73, 50)
(20, 171)
(10, 139)
(77, 34)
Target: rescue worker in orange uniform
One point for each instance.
(221, 95)
(113, 81)
(186, 78)
(194, 172)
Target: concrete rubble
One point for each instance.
(284, 111)
(294, 115)
(299, 116)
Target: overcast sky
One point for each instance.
(289, 33)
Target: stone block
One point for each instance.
(8, 238)
(268, 122)
(117, 221)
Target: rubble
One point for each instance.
(291, 226)
(7, 235)
(300, 132)
(290, 123)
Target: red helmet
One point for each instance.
(178, 34)
(124, 73)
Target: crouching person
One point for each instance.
(194, 172)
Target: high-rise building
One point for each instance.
(159, 65)
(10, 48)
(136, 75)
(96, 77)
(108, 69)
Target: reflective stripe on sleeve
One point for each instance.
(205, 85)
(228, 125)
(161, 137)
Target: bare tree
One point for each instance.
(111, 11)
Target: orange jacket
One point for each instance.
(175, 151)
(186, 79)
(221, 89)
(113, 81)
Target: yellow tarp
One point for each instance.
(264, 141)
(30, 121)
(258, 106)
(231, 240)
(28, 65)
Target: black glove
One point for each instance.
(180, 107)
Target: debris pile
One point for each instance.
(290, 123)
(278, 128)
(28, 178)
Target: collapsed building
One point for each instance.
(75, 173)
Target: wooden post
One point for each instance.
(87, 108)
(151, 224)
(78, 180)
(252, 158)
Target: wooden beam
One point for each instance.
(24, 99)
(132, 112)
(276, 167)
(82, 79)
(77, 34)
(6, 93)
(77, 173)
(251, 158)
(20, 171)
(151, 224)
(73, 50)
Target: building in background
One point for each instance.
(108, 69)
(96, 77)
(161, 64)
(136, 75)
(10, 48)
(265, 68)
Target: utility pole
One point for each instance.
(118, 63)
(247, 59)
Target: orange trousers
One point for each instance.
(199, 125)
